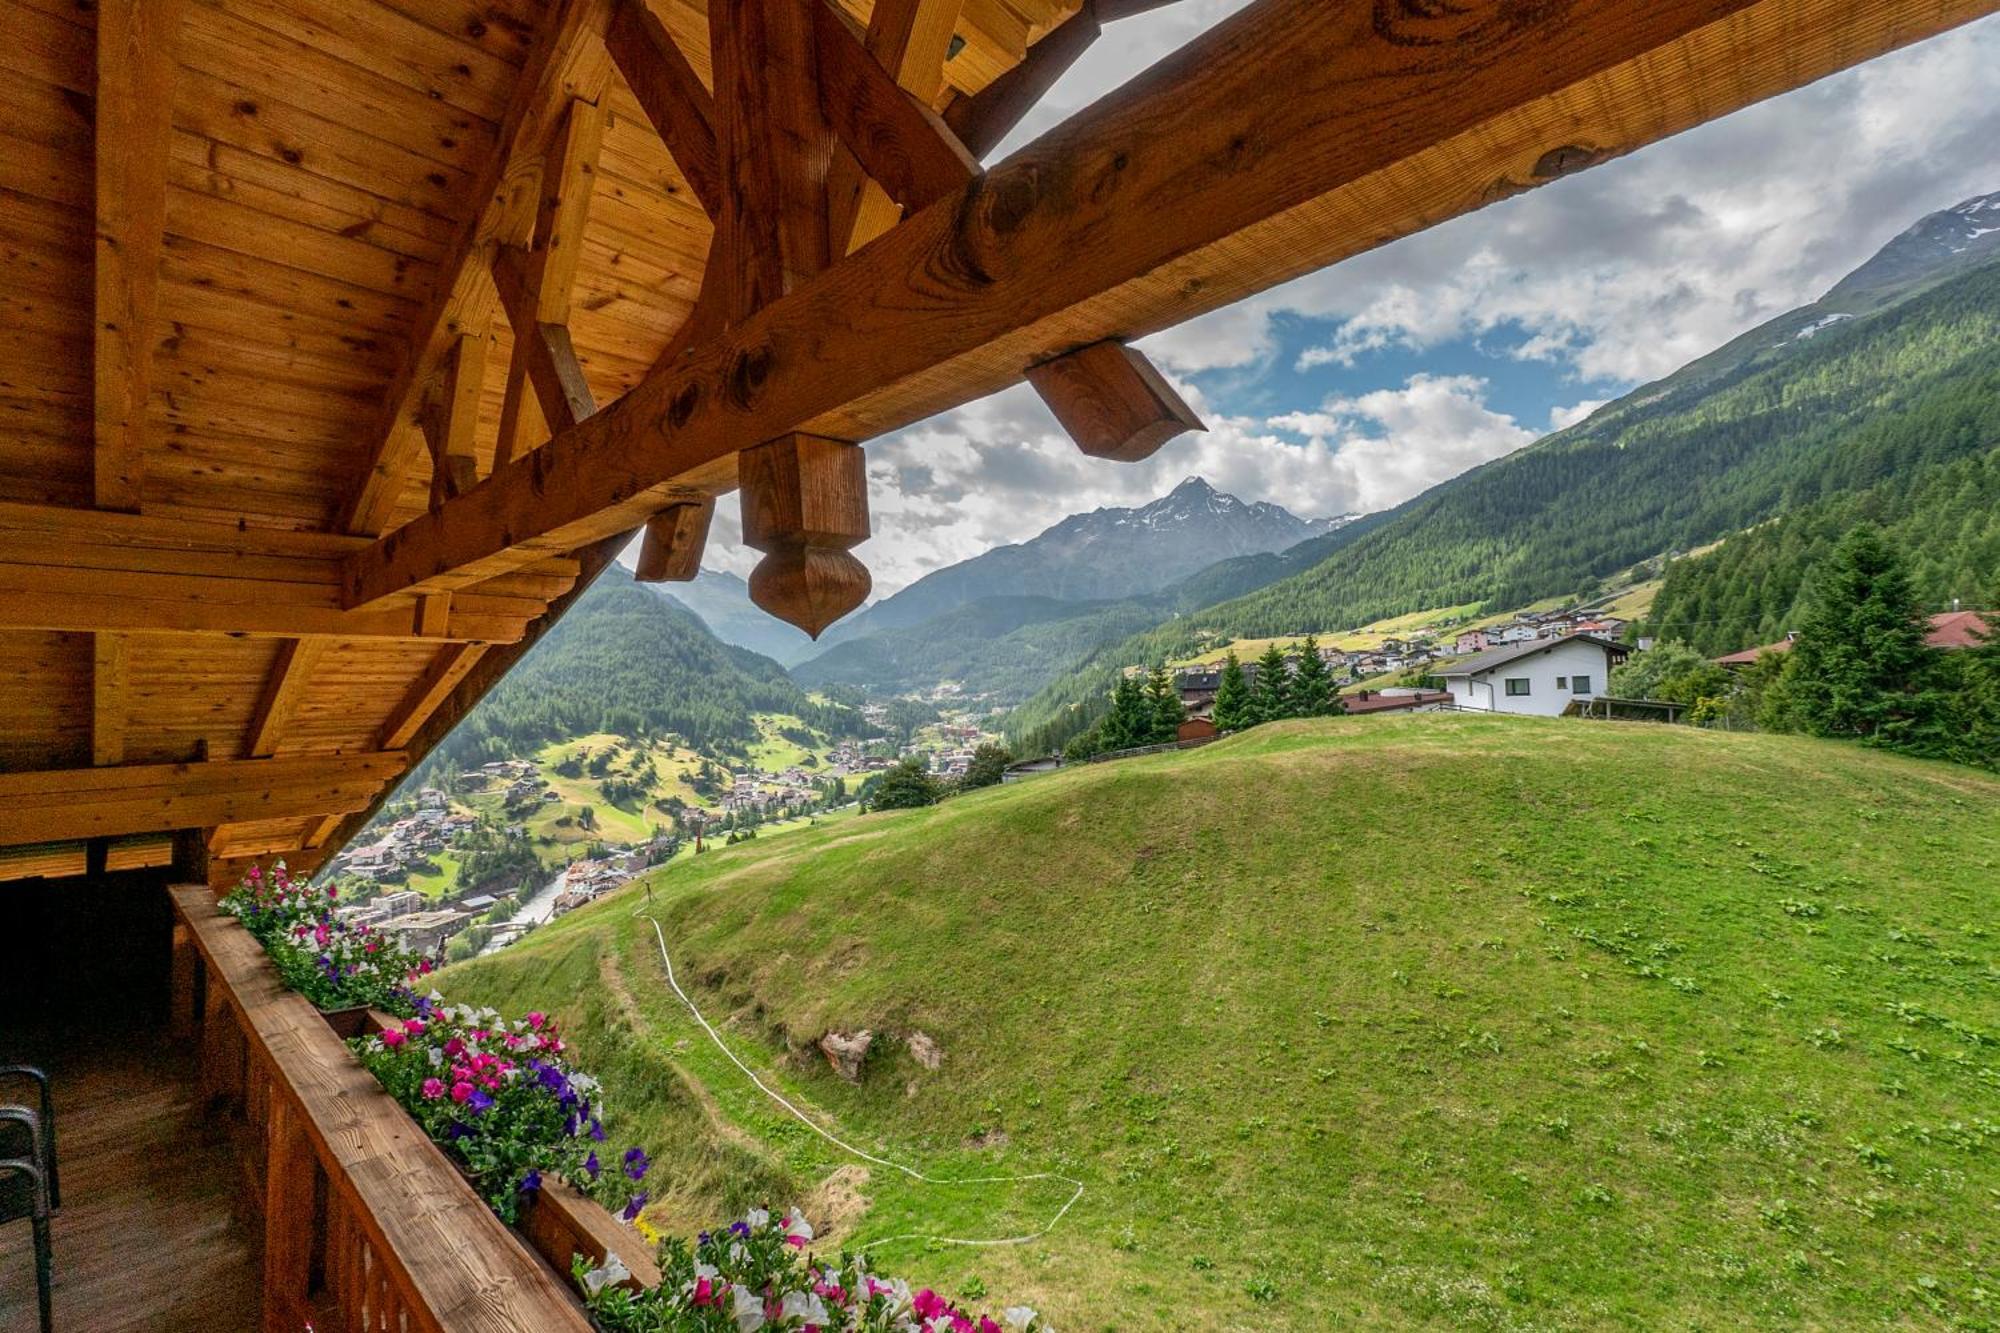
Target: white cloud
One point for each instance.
(1562, 418)
(1628, 271)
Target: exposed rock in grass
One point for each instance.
(846, 1050)
(924, 1050)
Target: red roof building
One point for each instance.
(1949, 630)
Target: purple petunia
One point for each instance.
(531, 1182)
(590, 1165)
(633, 1208)
(637, 1163)
(479, 1101)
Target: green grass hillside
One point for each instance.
(1435, 1021)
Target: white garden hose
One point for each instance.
(846, 1147)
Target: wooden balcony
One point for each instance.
(366, 1224)
(227, 1163)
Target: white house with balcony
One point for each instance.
(1541, 678)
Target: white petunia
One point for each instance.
(757, 1218)
(749, 1310)
(803, 1305)
(796, 1225)
(1018, 1317)
(613, 1273)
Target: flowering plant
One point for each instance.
(333, 963)
(758, 1274)
(502, 1098)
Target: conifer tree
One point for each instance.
(1860, 660)
(1312, 683)
(1163, 696)
(1130, 722)
(1271, 695)
(1232, 698)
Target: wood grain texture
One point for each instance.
(909, 40)
(894, 137)
(675, 538)
(136, 40)
(567, 61)
(1113, 402)
(110, 685)
(672, 95)
(291, 676)
(805, 504)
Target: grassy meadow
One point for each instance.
(1438, 1021)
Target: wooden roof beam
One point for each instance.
(908, 41)
(568, 61)
(675, 539)
(986, 117)
(440, 678)
(1113, 402)
(284, 690)
(672, 96)
(56, 804)
(135, 96)
(451, 419)
(1292, 135)
(110, 688)
(535, 291)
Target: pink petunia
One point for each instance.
(433, 1088)
(392, 1038)
(415, 1027)
(928, 1304)
(461, 1091)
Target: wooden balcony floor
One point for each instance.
(149, 1236)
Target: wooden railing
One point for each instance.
(368, 1227)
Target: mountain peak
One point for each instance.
(1934, 247)
(1193, 485)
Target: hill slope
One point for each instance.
(627, 661)
(1443, 1021)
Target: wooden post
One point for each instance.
(805, 502)
(289, 1187)
(183, 1019)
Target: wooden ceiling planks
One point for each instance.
(331, 182)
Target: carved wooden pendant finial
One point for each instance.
(805, 503)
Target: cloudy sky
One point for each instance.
(1357, 387)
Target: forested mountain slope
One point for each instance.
(1870, 399)
(1750, 590)
(1852, 420)
(627, 661)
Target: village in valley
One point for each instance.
(475, 859)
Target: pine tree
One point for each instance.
(1232, 698)
(1130, 722)
(1312, 683)
(1860, 660)
(1163, 696)
(1271, 696)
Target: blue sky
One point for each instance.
(1357, 387)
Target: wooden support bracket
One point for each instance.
(671, 551)
(1113, 402)
(805, 502)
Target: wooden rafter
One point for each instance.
(55, 804)
(1290, 136)
(908, 40)
(284, 690)
(110, 684)
(535, 287)
(451, 418)
(672, 95)
(775, 147)
(440, 678)
(568, 61)
(897, 140)
(135, 82)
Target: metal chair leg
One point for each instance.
(44, 1273)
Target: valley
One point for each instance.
(1565, 1017)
